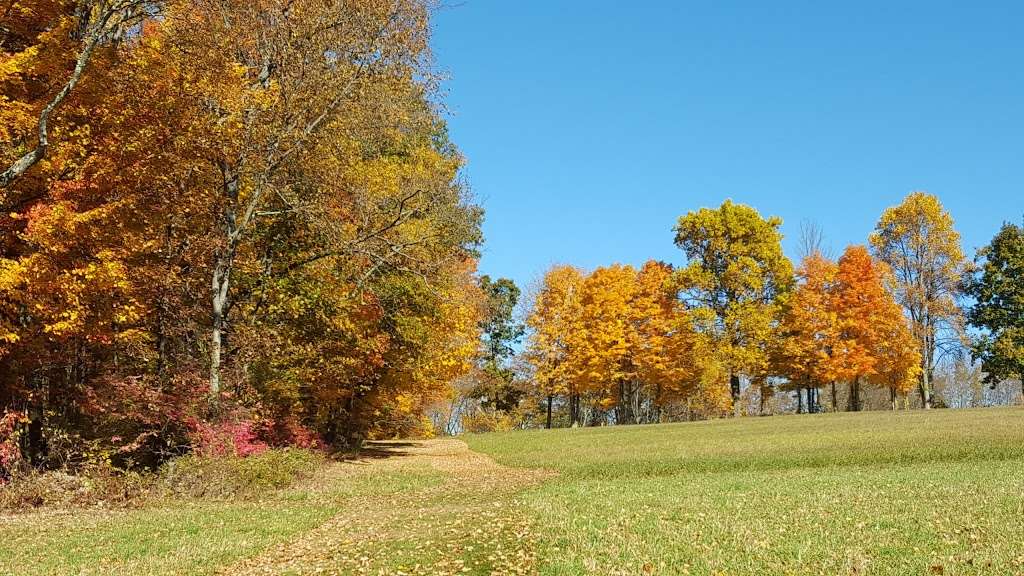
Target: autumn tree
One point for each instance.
(998, 291)
(735, 274)
(606, 373)
(552, 343)
(341, 255)
(809, 328)
(919, 243)
(873, 343)
(620, 343)
(47, 47)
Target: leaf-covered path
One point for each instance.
(466, 520)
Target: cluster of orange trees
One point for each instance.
(225, 209)
(634, 345)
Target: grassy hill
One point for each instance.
(868, 493)
(872, 493)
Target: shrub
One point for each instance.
(94, 485)
(204, 476)
(230, 438)
(488, 422)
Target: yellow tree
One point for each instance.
(732, 283)
(809, 327)
(608, 374)
(919, 243)
(554, 328)
(666, 353)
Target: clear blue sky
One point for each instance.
(590, 127)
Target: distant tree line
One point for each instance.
(738, 328)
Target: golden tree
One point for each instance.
(919, 243)
(810, 327)
(873, 337)
(554, 332)
(732, 283)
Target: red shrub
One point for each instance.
(228, 438)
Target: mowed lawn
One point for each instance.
(938, 492)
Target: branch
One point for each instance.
(95, 34)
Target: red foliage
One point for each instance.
(10, 451)
(288, 431)
(229, 438)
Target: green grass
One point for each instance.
(195, 536)
(871, 493)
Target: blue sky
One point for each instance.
(590, 127)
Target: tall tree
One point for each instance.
(919, 243)
(998, 292)
(350, 298)
(810, 327)
(501, 332)
(608, 372)
(874, 342)
(734, 277)
(554, 331)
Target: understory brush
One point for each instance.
(193, 476)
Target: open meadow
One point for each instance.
(871, 493)
(938, 492)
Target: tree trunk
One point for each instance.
(36, 441)
(220, 287)
(799, 401)
(550, 399)
(853, 403)
(892, 398)
(926, 390)
(734, 388)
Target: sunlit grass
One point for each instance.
(177, 536)
(871, 493)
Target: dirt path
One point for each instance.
(467, 523)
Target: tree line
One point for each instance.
(224, 213)
(625, 345)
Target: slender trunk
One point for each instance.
(219, 289)
(892, 398)
(835, 404)
(657, 403)
(550, 400)
(799, 401)
(574, 409)
(734, 388)
(621, 408)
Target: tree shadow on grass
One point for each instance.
(376, 450)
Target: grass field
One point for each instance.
(871, 493)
